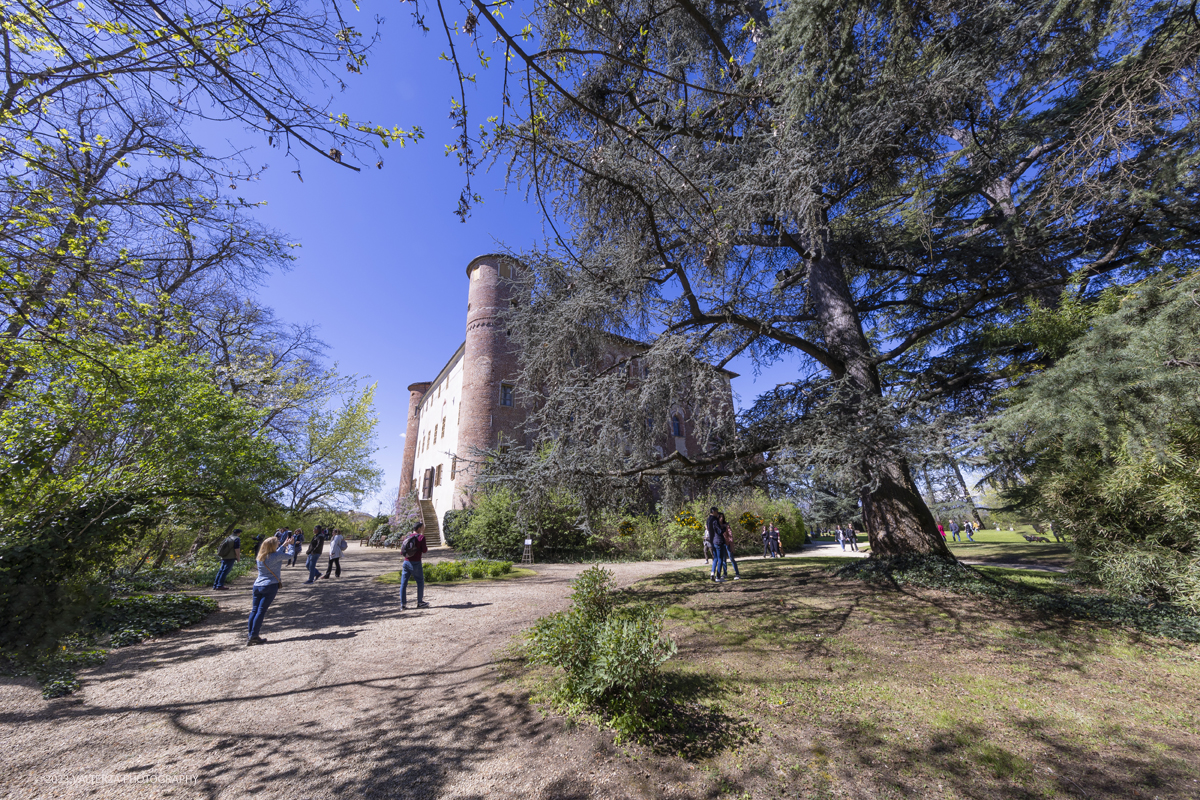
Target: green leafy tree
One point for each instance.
(1106, 443)
(106, 440)
(865, 189)
(331, 457)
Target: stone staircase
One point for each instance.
(433, 531)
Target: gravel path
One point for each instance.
(350, 698)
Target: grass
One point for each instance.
(845, 688)
(517, 572)
(1001, 547)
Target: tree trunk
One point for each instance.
(966, 492)
(897, 519)
(145, 555)
(162, 552)
(202, 538)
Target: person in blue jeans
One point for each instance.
(314, 554)
(270, 567)
(954, 531)
(229, 552)
(712, 529)
(412, 549)
(727, 556)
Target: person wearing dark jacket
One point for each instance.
(314, 554)
(229, 552)
(716, 538)
(412, 548)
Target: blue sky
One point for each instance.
(381, 267)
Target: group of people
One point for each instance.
(718, 545)
(770, 540)
(270, 553)
(956, 531)
(846, 536)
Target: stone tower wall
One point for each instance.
(416, 392)
(488, 360)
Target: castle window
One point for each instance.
(453, 466)
(437, 476)
(506, 394)
(676, 425)
(443, 427)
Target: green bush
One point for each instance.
(55, 672)
(133, 619)
(492, 530)
(444, 571)
(454, 522)
(129, 619)
(380, 535)
(174, 576)
(609, 657)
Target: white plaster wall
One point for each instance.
(436, 406)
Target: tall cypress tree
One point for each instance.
(870, 188)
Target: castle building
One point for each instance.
(469, 406)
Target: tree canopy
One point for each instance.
(1106, 443)
(869, 189)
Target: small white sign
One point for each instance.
(528, 542)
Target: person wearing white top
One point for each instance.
(336, 547)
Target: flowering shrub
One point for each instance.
(750, 521)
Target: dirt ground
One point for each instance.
(800, 685)
(351, 697)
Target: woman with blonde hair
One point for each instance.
(270, 567)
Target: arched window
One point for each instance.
(676, 425)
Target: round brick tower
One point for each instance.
(416, 393)
(489, 362)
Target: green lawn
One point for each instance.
(802, 684)
(1003, 546)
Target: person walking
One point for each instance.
(294, 546)
(727, 543)
(775, 552)
(766, 540)
(954, 531)
(942, 531)
(970, 530)
(229, 552)
(337, 546)
(712, 529)
(315, 548)
(841, 538)
(412, 548)
(852, 535)
(266, 586)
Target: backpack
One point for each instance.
(408, 548)
(227, 548)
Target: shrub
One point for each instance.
(444, 571)
(381, 535)
(129, 619)
(179, 575)
(133, 619)
(609, 657)
(454, 522)
(492, 530)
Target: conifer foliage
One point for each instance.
(1107, 444)
(866, 189)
